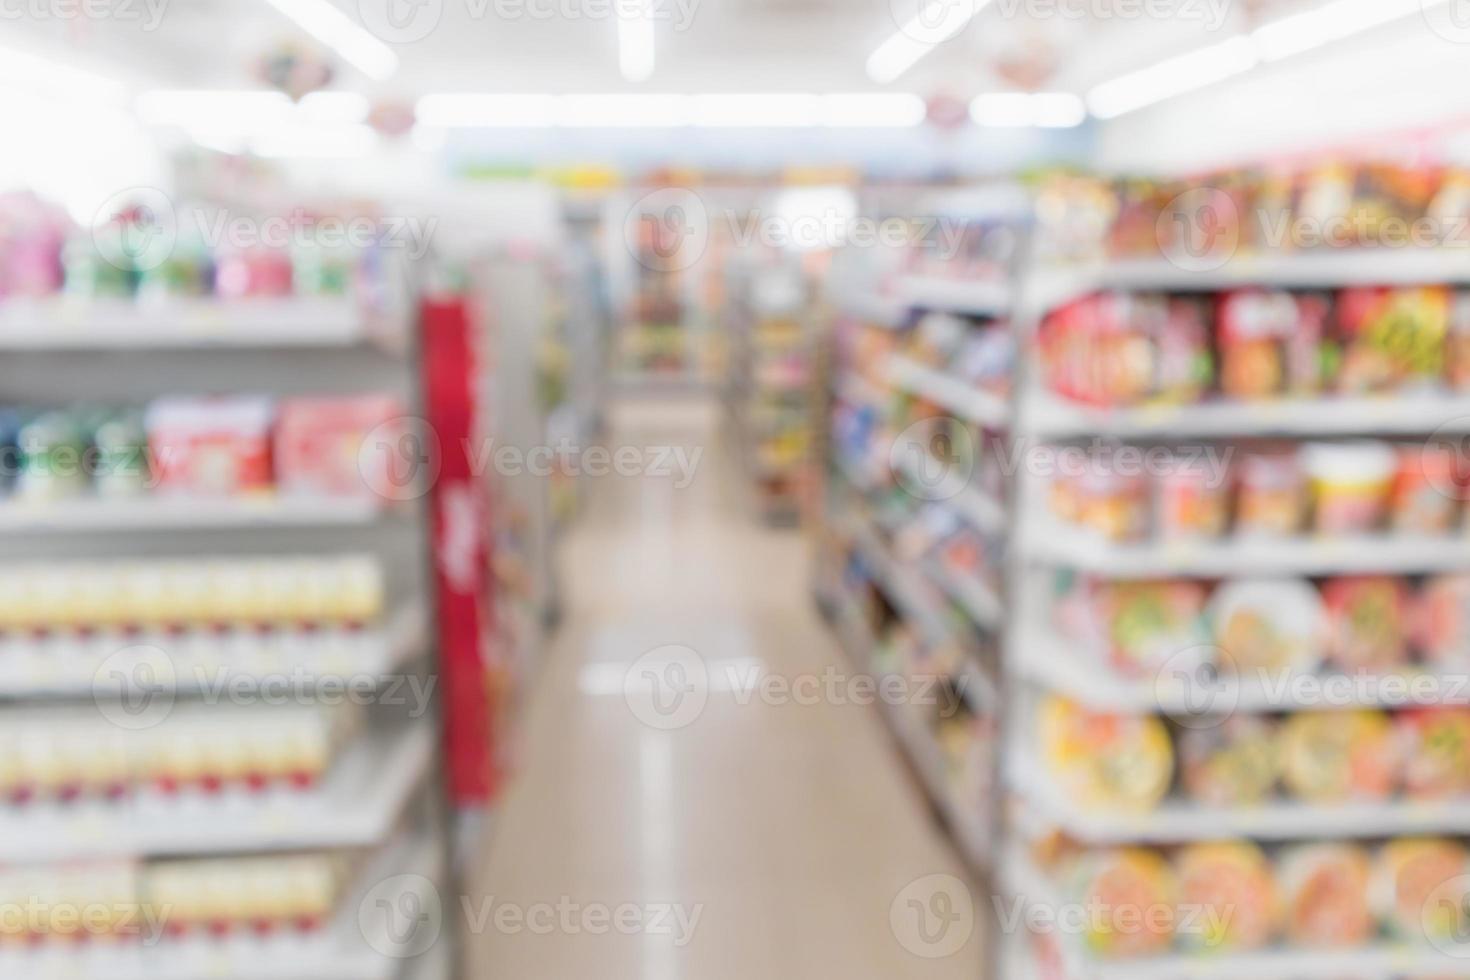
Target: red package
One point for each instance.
(319, 444)
(210, 445)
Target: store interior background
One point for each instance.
(564, 171)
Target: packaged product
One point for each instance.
(1232, 887)
(1324, 891)
(319, 270)
(122, 455)
(1391, 337)
(1185, 366)
(1101, 499)
(10, 456)
(211, 446)
(1095, 350)
(253, 272)
(1270, 343)
(1336, 756)
(32, 233)
(1410, 887)
(1233, 764)
(1271, 494)
(1136, 893)
(1423, 501)
(319, 445)
(1144, 624)
(1113, 761)
(1193, 500)
(1435, 746)
(52, 458)
(1268, 626)
(1367, 617)
(1443, 621)
(1350, 484)
(1457, 344)
(89, 275)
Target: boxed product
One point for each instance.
(211, 446)
(319, 444)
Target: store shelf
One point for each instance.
(1051, 543)
(1050, 416)
(161, 512)
(966, 296)
(1379, 959)
(1317, 269)
(1181, 821)
(69, 324)
(356, 806)
(977, 508)
(978, 601)
(949, 392)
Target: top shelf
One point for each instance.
(1321, 269)
(65, 323)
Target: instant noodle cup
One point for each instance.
(1120, 762)
(1147, 624)
(1409, 887)
(1227, 897)
(1234, 764)
(1269, 626)
(1349, 483)
(1367, 622)
(1435, 746)
(1324, 892)
(1419, 503)
(1113, 504)
(1337, 756)
(1193, 500)
(1443, 621)
(1271, 494)
(1129, 895)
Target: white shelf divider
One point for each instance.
(949, 392)
(163, 512)
(966, 296)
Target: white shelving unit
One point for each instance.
(380, 787)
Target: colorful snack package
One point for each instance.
(1271, 494)
(1435, 746)
(1269, 626)
(1114, 505)
(1146, 624)
(208, 446)
(1113, 761)
(1229, 889)
(1350, 484)
(1409, 887)
(1270, 343)
(1392, 337)
(1233, 764)
(1185, 368)
(1457, 344)
(1443, 619)
(1367, 622)
(1334, 757)
(1193, 500)
(1420, 503)
(1136, 890)
(1324, 889)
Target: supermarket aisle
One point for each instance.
(783, 833)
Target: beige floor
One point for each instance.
(793, 828)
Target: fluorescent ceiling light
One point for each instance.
(617, 110)
(324, 21)
(935, 22)
(237, 108)
(878, 110)
(475, 109)
(1172, 76)
(635, 43)
(1327, 23)
(1048, 110)
(42, 76)
(756, 110)
(335, 107)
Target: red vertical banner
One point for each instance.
(469, 679)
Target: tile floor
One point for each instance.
(791, 830)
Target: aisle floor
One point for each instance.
(788, 838)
